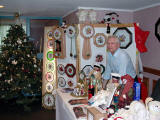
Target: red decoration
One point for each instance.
(140, 38)
(70, 70)
(144, 91)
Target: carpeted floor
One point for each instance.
(37, 113)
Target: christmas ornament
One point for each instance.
(140, 38)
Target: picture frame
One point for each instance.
(157, 29)
(125, 37)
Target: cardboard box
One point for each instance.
(94, 114)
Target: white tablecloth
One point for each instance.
(64, 111)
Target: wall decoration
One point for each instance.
(49, 76)
(70, 83)
(48, 101)
(50, 66)
(125, 37)
(61, 69)
(58, 43)
(102, 68)
(157, 29)
(50, 35)
(87, 31)
(87, 69)
(50, 44)
(50, 55)
(81, 76)
(100, 40)
(72, 32)
(99, 58)
(49, 87)
(61, 82)
(70, 70)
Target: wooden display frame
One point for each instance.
(59, 44)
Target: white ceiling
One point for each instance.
(59, 8)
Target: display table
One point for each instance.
(64, 111)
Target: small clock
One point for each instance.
(71, 31)
(57, 33)
(48, 101)
(50, 55)
(49, 87)
(100, 40)
(87, 31)
(50, 35)
(125, 37)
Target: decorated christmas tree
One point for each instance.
(20, 70)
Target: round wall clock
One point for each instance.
(61, 69)
(49, 76)
(50, 35)
(61, 82)
(87, 31)
(71, 31)
(125, 37)
(50, 44)
(48, 101)
(70, 70)
(87, 69)
(50, 55)
(157, 29)
(50, 66)
(99, 40)
(49, 87)
(57, 33)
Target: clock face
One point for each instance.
(125, 37)
(61, 69)
(50, 44)
(48, 101)
(49, 87)
(57, 34)
(87, 31)
(99, 40)
(61, 82)
(71, 31)
(50, 35)
(49, 77)
(50, 56)
(50, 66)
(87, 69)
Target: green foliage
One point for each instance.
(20, 70)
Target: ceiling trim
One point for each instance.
(109, 9)
(148, 6)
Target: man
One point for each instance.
(118, 60)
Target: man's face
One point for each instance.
(112, 45)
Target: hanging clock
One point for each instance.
(87, 31)
(50, 44)
(50, 35)
(99, 40)
(125, 37)
(49, 87)
(48, 101)
(102, 68)
(61, 82)
(157, 29)
(70, 70)
(87, 69)
(61, 69)
(57, 33)
(50, 66)
(50, 55)
(71, 31)
(49, 76)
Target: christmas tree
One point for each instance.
(20, 70)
